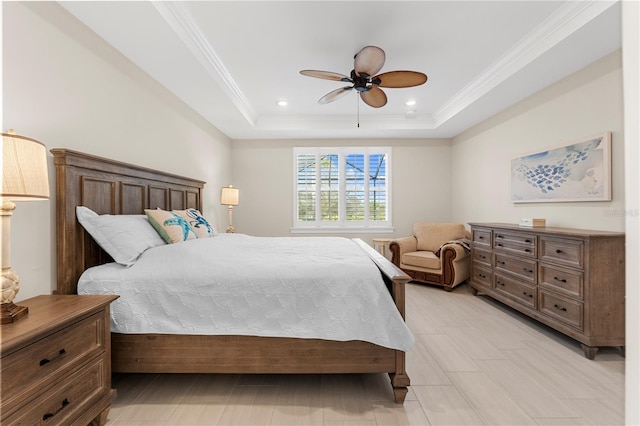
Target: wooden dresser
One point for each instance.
(572, 280)
(56, 362)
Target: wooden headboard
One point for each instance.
(106, 187)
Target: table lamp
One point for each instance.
(24, 178)
(229, 197)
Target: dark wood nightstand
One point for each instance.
(56, 362)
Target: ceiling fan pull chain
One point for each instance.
(358, 103)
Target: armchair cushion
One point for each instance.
(421, 259)
(431, 236)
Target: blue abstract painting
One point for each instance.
(577, 172)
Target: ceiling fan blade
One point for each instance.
(369, 60)
(327, 75)
(401, 79)
(374, 97)
(335, 94)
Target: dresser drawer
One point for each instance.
(567, 311)
(517, 290)
(524, 268)
(482, 256)
(564, 252)
(50, 357)
(516, 243)
(481, 237)
(481, 275)
(65, 402)
(562, 280)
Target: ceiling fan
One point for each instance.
(366, 64)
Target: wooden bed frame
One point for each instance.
(112, 187)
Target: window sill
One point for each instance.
(342, 230)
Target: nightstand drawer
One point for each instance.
(50, 357)
(66, 401)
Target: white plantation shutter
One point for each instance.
(342, 188)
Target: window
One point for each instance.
(342, 189)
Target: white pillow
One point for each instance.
(124, 237)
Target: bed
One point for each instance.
(112, 187)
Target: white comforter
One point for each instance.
(234, 284)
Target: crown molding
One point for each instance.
(188, 31)
(569, 17)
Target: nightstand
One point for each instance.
(56, 362)
(380, 244)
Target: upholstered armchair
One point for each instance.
(436, 253)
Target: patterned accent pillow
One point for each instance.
(201, 226)
(172, 227)
(123, 237)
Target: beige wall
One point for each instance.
(263, 171)
(584, 104)
(631, 73)
(67, 88)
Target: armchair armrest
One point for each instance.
(455, 264)
(399, 246)
(460, 252)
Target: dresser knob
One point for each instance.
(558, 251)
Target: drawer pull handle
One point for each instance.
(499, 245)
(527, 250)
(499, 236)
(501, 262)
(46, 361)
(560, 307)
(527, 240)
(558, 251)
(480, 237)
(49, 415)
(482, 275)
(561, 280)
(500, 283)
(528, 270)
(527, 294)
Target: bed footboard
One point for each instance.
(395, 279)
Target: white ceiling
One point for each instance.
(231, 61)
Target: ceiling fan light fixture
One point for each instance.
(282, 103)
(365, 79)
(410, 102)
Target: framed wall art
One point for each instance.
(580, 171)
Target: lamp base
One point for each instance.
(230, 229)
(9, 312)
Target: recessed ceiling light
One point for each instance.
(410, 102)
(282, 103)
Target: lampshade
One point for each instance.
(229, 196)
(24, 169)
